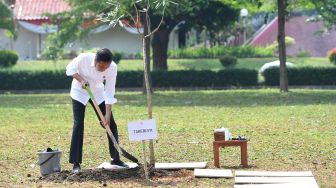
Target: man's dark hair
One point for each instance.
(104, 55)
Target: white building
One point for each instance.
(32, 32)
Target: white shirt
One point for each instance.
(83, 64)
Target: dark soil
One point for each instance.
(102, 175)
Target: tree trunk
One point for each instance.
(149, 102)
(160, 48)
(147, 55)
(147, 83)
(282, 46)
(147, 44)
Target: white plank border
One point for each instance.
(282, 185)
(189, 165)
(274, 174)
(108, 166)
(257, 180)
(213, 173)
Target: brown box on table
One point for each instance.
(219, 136)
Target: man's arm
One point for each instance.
(80, 80)
(72, 70)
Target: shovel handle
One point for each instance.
(102, 118)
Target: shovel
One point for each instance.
(120, 150)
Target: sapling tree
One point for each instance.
(139, 18)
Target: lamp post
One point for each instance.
(243, 15)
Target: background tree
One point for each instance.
(282, 4)
(6, 19)
(283, 7)
(327, 9)
(217, 17)
(209, 13)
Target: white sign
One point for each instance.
(142, 130)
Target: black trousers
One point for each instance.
(76, 148)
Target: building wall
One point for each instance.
(304, 34)
(306, 38)
(115, 39)
(4, 41)
(25, 44)
(120, 40)
(173, 40)
(29, 45)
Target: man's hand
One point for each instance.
(107, 119)
(84, 83)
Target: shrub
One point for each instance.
(303, 76)
(218, 51)
(184, 78)
(8, 58)
(137, 55)
(116, 56)
(69, 54)
(236, 77)
(30, 80)
(289, 41)
(129, 79)
(332, 56)
(273, 64)
(228, 61)
(52, 53)
(303, 53)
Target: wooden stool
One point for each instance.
(222, 143)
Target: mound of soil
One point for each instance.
(102, 175)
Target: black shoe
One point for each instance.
(76, 168)
(119, 163)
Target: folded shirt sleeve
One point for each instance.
(110, 87)
(72, 67)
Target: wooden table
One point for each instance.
(229, 143)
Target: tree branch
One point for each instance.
(157, 28)
(136, 23)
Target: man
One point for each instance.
(99, 72)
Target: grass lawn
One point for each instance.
(287, 131)
(178, 64)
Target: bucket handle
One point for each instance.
(42, 163)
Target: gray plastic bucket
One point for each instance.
(49, 161)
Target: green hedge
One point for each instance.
(218, 51)
(28, 80)
(237, 77)
(24, 80)
(303, 76)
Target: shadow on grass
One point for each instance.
(228, 98)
